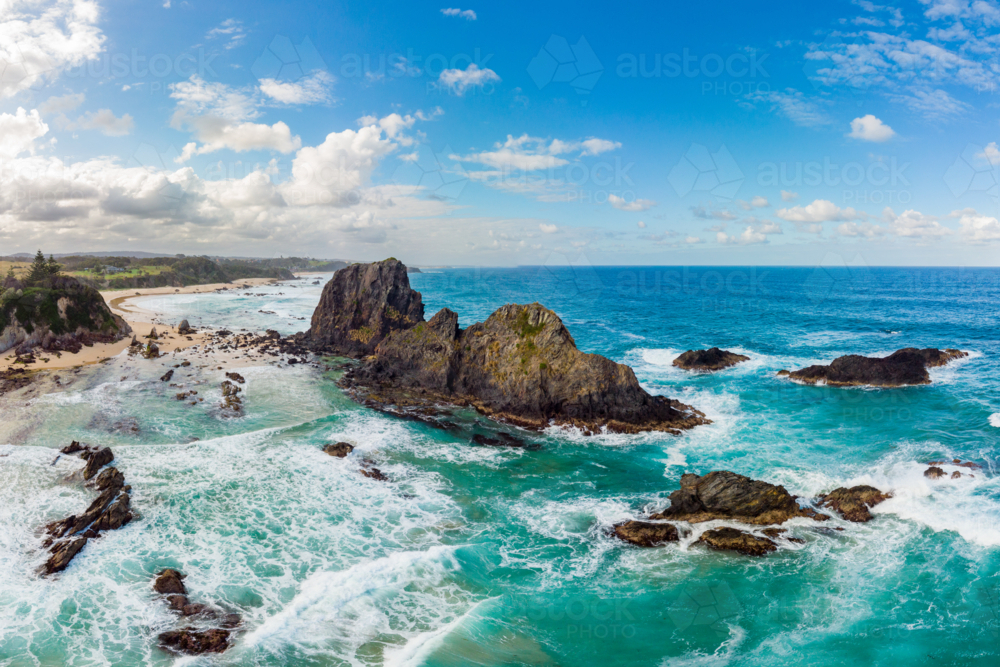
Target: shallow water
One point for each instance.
(476, 555)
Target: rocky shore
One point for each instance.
(712, 359)
(520, 366)
(903, 367)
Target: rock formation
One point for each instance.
(731, 539)
(645, 533)
(191, 640)
(712, 359)
(728, 496)
(903, 367)
(339, 449)
(59, 314)
(109, 511)
(853, 503)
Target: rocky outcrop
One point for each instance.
(732, 539)
(712, 359)
(724, 495)
(934, 473)
(59, 314)
(338, 449)
(232, 402)
(853, 503)
(193, 640)
(361, 305)
(903, 367)
(645, 533)
(109, 511)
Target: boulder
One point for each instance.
(62, 553)
(110, 478)
(374, 473)
(903, 367)
(167, 376)
(645, 533)
(97, 460)
(934, 473)
(151, 351)
(169, 582)
(236, 377)
(339, 449)
(184, 328)
(724, 495)
(712, 359)
(853, 503)
(195, 642)
(361, 305)
(731, 539)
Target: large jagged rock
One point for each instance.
(903, 367)
(853, 503)
(724, 495)
(361, 305)
(520, 366)
(60, 314)
(645, 533)
(195, 642)
(731, 539)
(712, 359)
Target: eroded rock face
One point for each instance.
(731, 539)
(646, 533)
(728, 496)
(520, 366)
(712, 359)
(361, 305)
(903, 367)
(853, 503)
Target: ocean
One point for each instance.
(475, 555)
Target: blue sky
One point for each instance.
(714, 133)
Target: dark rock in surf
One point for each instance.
(645, 533)
(62, 553)
(167, 376)
(724, 495)
(96, 461)
(339, 449)
(502, 439)
(853, 503)
(170, 582)
(195, 642)
(903, 367)
(934, 473)
(712, 359)
(731, 539)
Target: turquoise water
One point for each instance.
(475, 555)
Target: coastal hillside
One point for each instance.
(53, 311)
(111, 273)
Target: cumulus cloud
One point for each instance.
(712, 214)
(458, 81)
(334, 171)
(18, 132)
(860, 230)
(976, 227)
(62, 104)
(870, 128)
(315, 88)
(789, 196)
(105, 121)
(754, 233)
(548, 229)
(40, 39)
(526, 153)
(756, 202)
(914, 224)
(642, 225)
(466, 14)
(821, 210)
(635, 205)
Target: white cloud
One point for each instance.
(933, 104)
(335, 171)
(708, 214)
(756, 202)
(526, 153)
(870, 128)
(642, 225)
(976, 227)
(311, 89)
(691, 240)
(548, 229)
(62, 104)
(821, 210)
(635, 205)
(40, 38)
(18, 132)
(458, 81)
(789, 196)
(466, 14)
(231, 29)
(105, 121)
(913, 224)
(793, 105)
(859, 230)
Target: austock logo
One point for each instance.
(559, 62)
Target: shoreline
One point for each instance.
(138, 319)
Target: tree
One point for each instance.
(53, 266)
(10, 272)
(39, 269)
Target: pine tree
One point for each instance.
(53, 266)
(39, 269)
(10, 272)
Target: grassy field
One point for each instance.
(128, 273)
(19, 268)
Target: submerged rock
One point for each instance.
(168, 376)
(934, 473)
(339, 449)
(502, 439)
(521, 365)
(731, 539)
(728, 496)
(853, 503)
(646, 533)
(903, 367)
(712, 359)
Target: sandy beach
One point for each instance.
(140, 320)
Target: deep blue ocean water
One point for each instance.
(475, 555)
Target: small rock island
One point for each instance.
(712, 359)
(520, 366)
(901, 368)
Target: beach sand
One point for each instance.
(140, 320)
